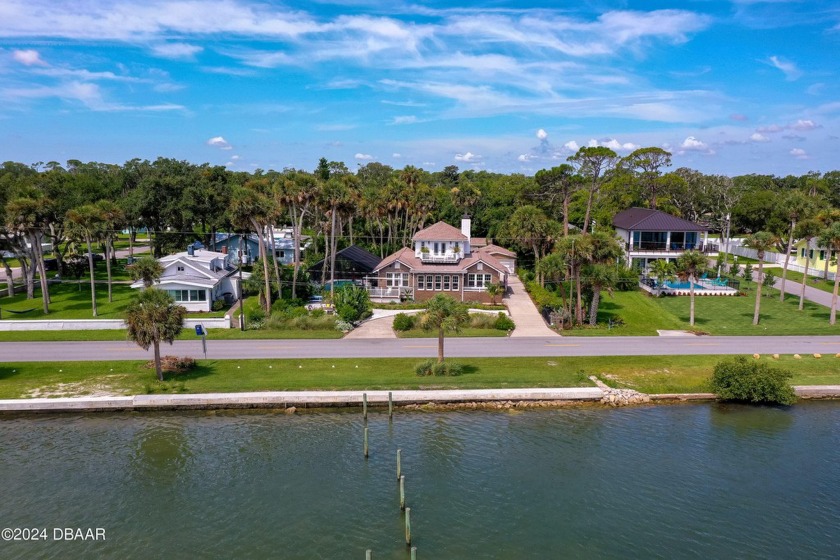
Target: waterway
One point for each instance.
(686, 481)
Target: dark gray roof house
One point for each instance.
(351, 263)
(649, 235)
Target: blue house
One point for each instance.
(284, 246)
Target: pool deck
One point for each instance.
(324, 399)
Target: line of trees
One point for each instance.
(552, 219)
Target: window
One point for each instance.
(180, 269)
(396, 266)
(456, 280)
(429, 280)
(478, 280)
(802, 252)
(280, 254)
(420, 281)
(396, 280)
(437, 248)
(437, 282)
(446, 283)
(480, 266)
(822, 254)
(811, 254)
(188, 295)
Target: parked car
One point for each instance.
(96, 257)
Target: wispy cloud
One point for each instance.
(363, 157)
(176, 50)
(789, 69)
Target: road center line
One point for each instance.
(562, 344)
(429, 346)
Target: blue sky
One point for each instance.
(745, 86)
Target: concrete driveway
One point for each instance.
(529, 322)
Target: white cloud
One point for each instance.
(692, 144)
(527, 157)
(467, 157)
(542, 134)
(28, 57)
(799, 153)
(87, 94)
(759, 137)
(592, 143)
(572, 146)
(219, 142)
(395, 155)
(788, 68)
(235, 158)
(614, 144)
(363, 157)
(804, 125)
(176, 50)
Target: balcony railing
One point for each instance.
(445, 258)
(661, 247)
(391, 293)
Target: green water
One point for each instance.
(704, 481)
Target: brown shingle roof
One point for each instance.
(496, 250)
(440, 231)
(653, 220)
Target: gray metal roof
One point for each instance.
(653, 220)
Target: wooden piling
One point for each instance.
(413, 553)
(408, 526)
(368, 554)
(364, 405)
(402, 492)
(366, 442)
(399, 464)
(390, 405)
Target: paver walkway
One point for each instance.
(524, 313)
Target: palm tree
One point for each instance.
(663, 269)
(112, 216)
(830, 238)
(86, 222)
(762, 242)
(796, 207)
(147, 269)
(689, 265)
(151, 318)
(444, 314)
(806, 230)
(494, 291)
(601, 270)
(576, 251)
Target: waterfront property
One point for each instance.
(649, 235)
(442, 260)
(197, 278)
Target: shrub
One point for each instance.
(431, 367)
(404, 322)
(173, 364)
(769, 279)
(482, 321)
(218, 305)
(752, 381)
(316, 313)
(343, 326)
(351, 302)
(747, 273)
(504, 323)
(424, 368)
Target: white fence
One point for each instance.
(98, 324)
(769, 256)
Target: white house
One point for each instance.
(196, 278)
(649, 235)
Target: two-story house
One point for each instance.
(649, 235)
(196, 278)
(441, 260)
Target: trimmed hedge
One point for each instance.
(743, 380)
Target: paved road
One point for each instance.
(427, 348)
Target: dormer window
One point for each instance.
(180, 269)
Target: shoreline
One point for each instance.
(290, 401)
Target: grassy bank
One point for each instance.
(663, 374)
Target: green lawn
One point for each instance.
(656, 375)
(71, 300)
(813, 282)
(718, 315)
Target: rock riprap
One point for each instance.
(619, 397)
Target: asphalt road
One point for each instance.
(423, 348)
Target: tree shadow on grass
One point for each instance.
(200, 370)
(8, 372)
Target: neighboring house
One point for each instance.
(442, 260)
(649, 235)
(816, 256)
(284, 246)
(351, 263)
(196, 278)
